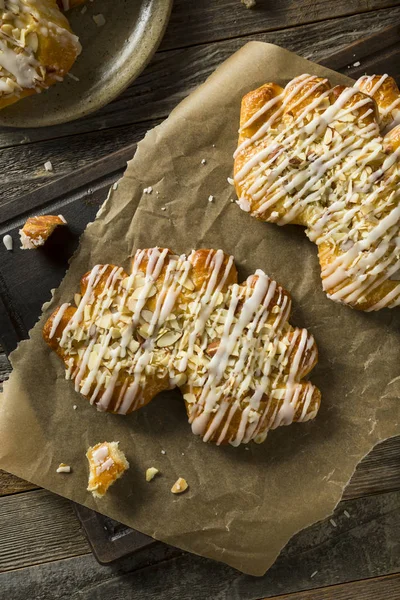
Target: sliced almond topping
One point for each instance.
(179, 486)
(115, 333)
(328, 136)
(213, 347)
(151, 472)
(168, 339)
(188, 284)
(147, 315)
(140, 292)
(190, 398)
(77, 299)
(133, 345)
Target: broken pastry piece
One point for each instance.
(37, 48)
(37, 230)
(107, 463)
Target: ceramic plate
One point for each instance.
(112, 57)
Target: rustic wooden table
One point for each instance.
(43, 553)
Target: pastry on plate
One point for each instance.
(37, 48)
(37, 230)
(315, 155)
(178, 321)
(107, 463)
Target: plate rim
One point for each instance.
(160, 19)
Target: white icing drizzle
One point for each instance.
(324, 165)
(230, 348)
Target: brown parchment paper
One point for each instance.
(243, 504)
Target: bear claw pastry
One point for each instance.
(314, 155)
(185, 322)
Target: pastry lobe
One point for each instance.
(316, 156)
(37, 48)
(37, 230)
(107, 463)
(184, 321)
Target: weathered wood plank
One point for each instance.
(378, 588)
(38, 527)
(172, 75)
(10, 484)
(363, 544)
(205, 21)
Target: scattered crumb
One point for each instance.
(333, 523)
(211, 198)
(204, 162)
(151, 473)
(357, 64)
(48, 166)
(347, 514)
(8, 242)
(37, 230)
(99, 20)
(148, 190)
(179, 486)
(72, 76)
(84, 9)
(213, 145)
(274, 215)
(163, 452)
(183, 454)
(246, 448)
(63, 468)
(163, 208)
(107, 463)
(230, 181)
(115, 185)
(249, 3)
(74, 407)
(314, 574)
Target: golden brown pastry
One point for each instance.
(314, 155)
(37, 48)
(37, 230)
(107, 463)
(184, 321)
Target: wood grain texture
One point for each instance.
(10, 484)
(172, 75)
(379, 588)
(37, 527)
(364, 544)
(205, 21)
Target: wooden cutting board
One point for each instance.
(26, 278)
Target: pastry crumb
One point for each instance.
(148, 190)
(107, 463)
(37, 230)
(333, 522)
(72, 76)
(347, 514)
(151, 472)
(314, 574)
(8, 242)
(99, 20)
(357, 64)
(179, 486)
(230, 180)
(249, 3)
(163, 208)
(204, 162)
(74, 407)
(63, 468)
(163, 452)
(211, 198)
(48, 165)
(115, 185)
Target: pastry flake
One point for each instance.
(107, 463)
(314, 155)
(37, 48)
(37, 230)
(178, 321)
(180, 486)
